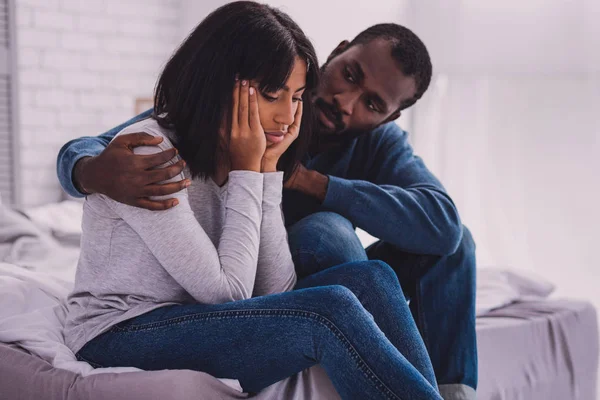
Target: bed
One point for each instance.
(530, 346)
(538, 350)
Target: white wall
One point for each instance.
(82, 63)
(512, 127)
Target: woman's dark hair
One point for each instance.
(194, 93)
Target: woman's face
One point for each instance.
(277, 109)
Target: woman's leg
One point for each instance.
(376, 286)
(265, 339)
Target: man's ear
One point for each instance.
(395, 115)
(338, 50)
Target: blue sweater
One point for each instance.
(375, 181)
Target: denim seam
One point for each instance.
(362, 365)
(421, 312)
(315, 251)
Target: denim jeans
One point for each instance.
(441, 291)
(352, 319)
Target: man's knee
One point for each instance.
(466, 248)
(327, 238)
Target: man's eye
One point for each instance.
(349, 76)
(371, 106)
(297, 99)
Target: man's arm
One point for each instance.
(99, 165)
(399, 200)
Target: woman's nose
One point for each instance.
(285, 115)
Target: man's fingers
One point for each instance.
(155, 160)
(165, 189)
(166, 173)
(137, 139)
(243, 107)
(156, 205)
(254, 113)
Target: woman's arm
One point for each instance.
(275, 272)
(176, 239)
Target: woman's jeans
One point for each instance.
(352, 319)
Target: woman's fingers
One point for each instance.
(243, 107)
(235, 106)
(294, 128)
(255, 125)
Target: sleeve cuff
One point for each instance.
(66, 169)
(272, 189)
(339, 195)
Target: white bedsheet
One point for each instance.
(32, 316)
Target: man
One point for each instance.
(360, 172)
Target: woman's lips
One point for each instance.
(275, 137)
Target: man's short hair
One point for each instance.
(407, 49)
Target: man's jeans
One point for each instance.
(352, 319)
(441, 291)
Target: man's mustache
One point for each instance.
(332, 111)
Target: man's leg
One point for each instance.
(323, 240)
(441, 291)
(442, 300)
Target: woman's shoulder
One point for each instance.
(151, 127)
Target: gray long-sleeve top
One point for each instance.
(219, 244)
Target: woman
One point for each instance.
(207, 285)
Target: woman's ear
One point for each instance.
(338, 50)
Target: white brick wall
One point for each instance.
(82, 63)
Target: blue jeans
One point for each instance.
(441, 290)
(352, 319)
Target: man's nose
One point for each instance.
(345, 101)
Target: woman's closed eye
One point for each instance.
(272, 99)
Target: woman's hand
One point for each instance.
(247, 141)
(273, 152)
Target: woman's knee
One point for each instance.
(371, 273)
(334, 302)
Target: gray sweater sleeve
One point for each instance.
(275, 272)
(210, 275)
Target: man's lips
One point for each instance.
(326, 119)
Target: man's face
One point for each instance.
(361, 88)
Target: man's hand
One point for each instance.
(130, 178)
(309, 182)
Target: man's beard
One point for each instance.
(324, 137)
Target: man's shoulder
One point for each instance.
(389, 134)
(389, 130)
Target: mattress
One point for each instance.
(538, 350)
